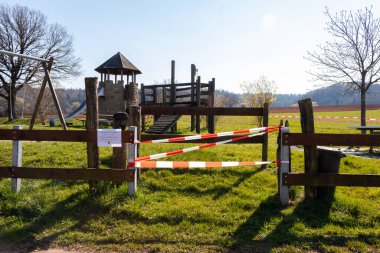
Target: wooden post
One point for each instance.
(164, 95)
(265, 136)
(54, 95)
(172, 85)
(119, 154)
(40, 95)
(193, 74)
(133, 109)
(134, 112)
(311, 152)
(92, 122)
(211, 101)
(132, 154)
(284, 165)
(16, 160)
(198, 116)
(154, 95)
(142, 103)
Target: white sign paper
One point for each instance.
(109, 137)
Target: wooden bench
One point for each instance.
(371, 129)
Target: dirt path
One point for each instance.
(8, 248)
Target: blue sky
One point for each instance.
(233, 41)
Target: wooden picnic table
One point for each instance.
(371, 129)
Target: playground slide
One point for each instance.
(72, 115)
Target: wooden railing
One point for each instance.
(17, 171)
(313, 177)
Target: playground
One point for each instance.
(182, 209)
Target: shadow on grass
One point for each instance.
(217, 190)
(77, 210)
(313, 214)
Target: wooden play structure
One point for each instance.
(113, 94)
(192, 94)
(46, 65)
(120, 171)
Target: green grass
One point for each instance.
(197, 210)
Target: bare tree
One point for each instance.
(26, 31)
(259, 92)
(352, 56)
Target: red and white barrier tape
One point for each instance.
(194, 164)
(207, 136)
(185, 150)
(323, 117)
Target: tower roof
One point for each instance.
(116, 64)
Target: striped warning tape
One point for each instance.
(324, 117)
(185, 150)
(207, 136)
(194, 164)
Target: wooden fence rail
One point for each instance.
(57, 135)
(96, 174)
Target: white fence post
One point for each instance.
(284, 168)
(132, 154)
(16, 160)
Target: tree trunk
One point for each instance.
(362, 107)
(12, 104)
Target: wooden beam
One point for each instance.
(293, 139)
(54, 95)
(332, 180)
(168, 110)
(264, 154)
(56, 135)
(92, 124)
(172, 84)
(68, 174)
(310, 152)
(198, 104)
(40, 95)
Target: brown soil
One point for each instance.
(11, 248)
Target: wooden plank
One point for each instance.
(172, 84)
(264, 152)
(183, 96)
(40, 95)
(193, 74)
(331, 139)
(54, 95)
(198, 101)
(68, 174)
(92, 124)
(332, 180)
(56, 135)
(256, 139)
(168, 110)
(184, 89)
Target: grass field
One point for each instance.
(198, 210)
